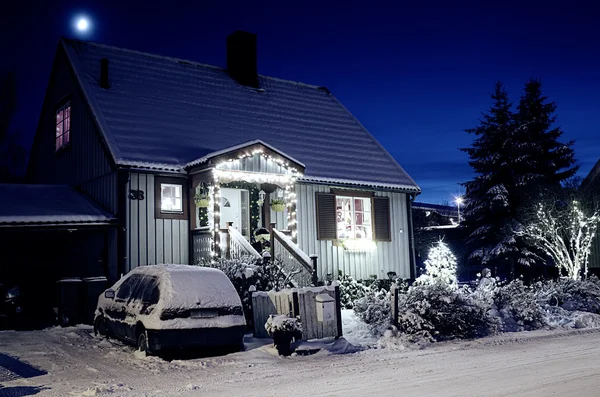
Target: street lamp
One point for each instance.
(458, 200)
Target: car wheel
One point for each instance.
(142, 342)
(100, 326)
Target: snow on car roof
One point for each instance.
(185, 286)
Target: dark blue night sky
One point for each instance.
(416, 74)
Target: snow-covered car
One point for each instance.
(163, 307)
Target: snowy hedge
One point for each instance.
(351, 290)
(571, 295)
(246, 272)
(375, 309)
(437, 311)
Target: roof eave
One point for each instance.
(412, 189)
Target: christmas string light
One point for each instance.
(224, 174)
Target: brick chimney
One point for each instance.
(241, 58)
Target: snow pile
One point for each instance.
(331, 346)
(356, 331)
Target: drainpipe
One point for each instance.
(411, 237)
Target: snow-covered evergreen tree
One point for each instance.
(516, 157)
(550, 162)
(491, 197)
(440, 266)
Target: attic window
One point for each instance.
(63, 126)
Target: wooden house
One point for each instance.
(190, 160)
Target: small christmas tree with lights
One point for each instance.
(440, 266)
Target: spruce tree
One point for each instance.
(492, 197)
(516, 157)
(551, 162)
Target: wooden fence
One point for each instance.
(300, 302)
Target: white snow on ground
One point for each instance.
(355, 331)
(537, 363)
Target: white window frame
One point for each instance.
(353, 216)
(177, 187)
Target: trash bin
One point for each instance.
(94, 287)
(69, 301)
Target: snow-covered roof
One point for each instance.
(589, 179)
(163, 113)
(444, 210)
(48, 205)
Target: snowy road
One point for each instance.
(71, 362)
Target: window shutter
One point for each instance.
(381, 218)
(326, 224)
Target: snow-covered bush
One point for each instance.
(283, 329)
(351, 290)
(375, 309)
(439, 266)
(518, 308)
(283, 323)
(438, 311)
(571, 295)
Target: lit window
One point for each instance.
(353, 215)
(63, 126)
(170, 198)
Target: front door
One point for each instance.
(235, 207)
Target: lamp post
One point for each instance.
(458, 200)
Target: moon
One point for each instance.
(83, 24)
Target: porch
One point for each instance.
(243, 203)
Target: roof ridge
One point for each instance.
(175, 59)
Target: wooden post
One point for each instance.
(338, 310)
(229, 224)
(251, 291)
(295, 303)
(394, 293)
(315, 276)
(271, 227)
